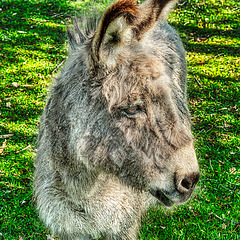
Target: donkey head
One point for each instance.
(141, 64)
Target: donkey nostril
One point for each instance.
(186, 184)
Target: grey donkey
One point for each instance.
(115, 136)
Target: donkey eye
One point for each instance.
(132, 110)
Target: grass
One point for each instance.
(32, 46)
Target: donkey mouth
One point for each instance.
(162, 197)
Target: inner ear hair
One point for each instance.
(115, 38)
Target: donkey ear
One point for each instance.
(114, 31)
(151, 12)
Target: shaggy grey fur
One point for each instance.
(115, 136)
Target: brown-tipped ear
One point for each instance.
(112, 27)
(151, 12)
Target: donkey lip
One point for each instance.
(162, 197)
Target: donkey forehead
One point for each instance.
(143, 79)
(146, 74)
(144, 66)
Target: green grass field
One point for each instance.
(32, 48)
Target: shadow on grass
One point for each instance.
(213, 49)
(34, 22)
(26, 9)
(206, 32)
(201, 35)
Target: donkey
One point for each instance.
(115, 136)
